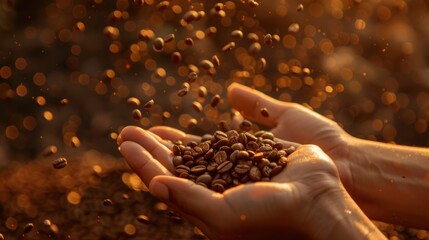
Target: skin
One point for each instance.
(304, 201)
(389, 182)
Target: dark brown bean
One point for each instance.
(202, 92)
(143, 219)
(215, 100)
(204, 178)
(237, 146)
(192, 77)
(215, 60)
(224, 167)
(237, 34)
(268, 39)
(206, 64)
(190, 16)
(182, 168)
(198, 170)
(223, 126)
(170, 37)
(27, 228)
(255, 48)
(137, 115)
(264, 112)
(158, 44)
(177, 160)
(197, 106)
(107, 202)
(255, 174)
(228, 47)
(266, 171)
(242, 168)
(148, 104)
(189, 41)
(176, 57)
(246, 125)
(220, 143)
(276, 170)
(218, 188)
(243, 155)
(59, 163)
(220, 157)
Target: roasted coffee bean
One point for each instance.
(255, 174)
(233, 156)
(215, 60)
(189, 41)
(250, 137)
(192, 144)
(264, 112)
(212, 166)
(170, 37)
(300, 8)
(158, 44)
(177, 160)
(237, 34)
(228, 47)
(257, 157)
(190, 16)
(184, 175)
(223, 126)
(148, 104)
(202, 92)
(59, 163)
(273, 156)
(204, 178)
(252, 145)
(266, 171)
(192, 77)
(246, 125)
(254, 48)
(220, 135)
(253, 37)
(176, 150)
(143, 219)
(137, 115)
(205, 146)
(218, 188)
(242, 138)
(206, 137)
(232, 133)
(215, 100)
(267, 135)
(242, 155)
(262, 163)
(198, 170)
(268, 39)
(226, 148)
(209, 154)
(27, 228)
(278, 146)
(237, 146)
(268, 142)
(182, 168)
(242, 168)
(107, 202)
(276, 170)
(187, 158)
(220, 157)
(133, 101)
(176, 57)
(290, 150)
(206, 64)
(224, 167)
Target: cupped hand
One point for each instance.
(294, 122)
(284, 208)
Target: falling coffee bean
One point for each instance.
(59, 163)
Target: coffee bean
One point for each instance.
(268, 39)
(255, 174)
(224, 167)
(218, 188)
(212, 166)
(189, 41)
(253, 3)
(266, 171)
(202, 92)
(237, 146)
(246, 125)
(242, 155)
(220, 143)
(278, 146)
(204, 178)
(107, 202)
(143, 219)
(27, 228)
(176, 150)
(137, 115)
(59, 163)
(209, 154)
(133, 101)
(170, 37)
(48, 151)
(148, 104)
(197, 106)
(223, 126)
(228, 47)
(267, 135)
(250, 137)
(283, 161)
(1, 237)
(190, 16)
(242, 168)
(215, 60)
(176, 57)
(220, 157)
(237, 34)
(276, 170)
(177, 160)
(264, 112)
(198, 170)
(215, 100)
(300, 8)
(162, 5)
(158, 44)
(182, 168)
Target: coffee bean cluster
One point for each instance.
(226, 159)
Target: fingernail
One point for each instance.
(159, 190)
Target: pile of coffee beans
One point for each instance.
(229, 158)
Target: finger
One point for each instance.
(250, 101)
(192, 199)
(158, 150)
(142, 162)
(287, 144)
(174, 134)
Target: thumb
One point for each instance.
(249, 102)
(188, 198)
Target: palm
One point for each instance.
(254, 206)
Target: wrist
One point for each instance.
(337, 216)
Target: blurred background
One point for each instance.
(68, 67)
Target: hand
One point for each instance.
(294, 122)
(293, 205)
